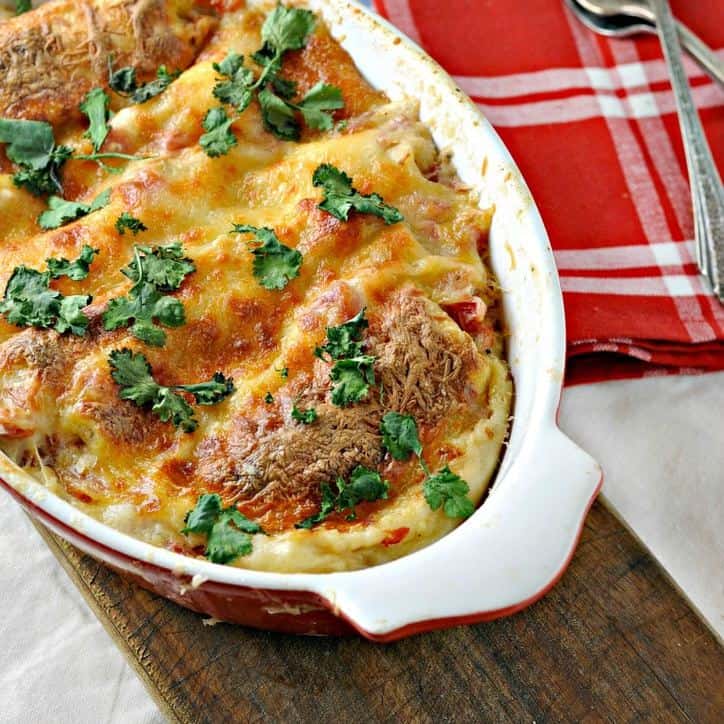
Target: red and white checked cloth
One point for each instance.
(592, 125)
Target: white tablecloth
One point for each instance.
(660, 441)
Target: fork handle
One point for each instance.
(701, 52)
(706, 186)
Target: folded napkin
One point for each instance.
(591, 123)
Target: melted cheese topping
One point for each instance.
(431, 304)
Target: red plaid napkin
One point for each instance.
(592, 125)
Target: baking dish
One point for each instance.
(518, 543)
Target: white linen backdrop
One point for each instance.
(660, 441)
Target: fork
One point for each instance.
(706, 186)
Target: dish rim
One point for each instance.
(336, 590)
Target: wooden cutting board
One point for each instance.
(613, 641)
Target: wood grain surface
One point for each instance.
(613, 641)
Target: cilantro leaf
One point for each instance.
(95, 106)
(284, 372)
(448, 490)
(364, 485)
(268, 398)
(155, 271)
(202, 518)
(399, 435)
(60, 211)
(27, 143)
(287, 28)
(31, 145)
(70, 314)
(228, 531)
(127, 221)
(163, 266)
(275, 264)
(237, 90)
(142, 306)
(306, 417)
(30, 302)
(134, 375)
(352, 377)
(345, 339)
(278, 116)
(170, 406)
(218, 139)
(340, 197)
(317, 103)
(211, 392)
(22, 6)
(75, 270)
(326, 508)
(123, 81)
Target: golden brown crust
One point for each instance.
(50, 58)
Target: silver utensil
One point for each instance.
(621, 18)
(706, 187)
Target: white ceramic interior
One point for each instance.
(519, 541)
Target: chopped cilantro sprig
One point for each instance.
(30, 302)
(340, 197)
(154, 271)
(306, 417)
(284, 29)
(228, 531)
(127, 221)
(364, 485)
(275, 264)
(124, 82)
(95, 106)
(352, 371)
(442, 489)
(31, 146)
(60, 211)
(134, 375)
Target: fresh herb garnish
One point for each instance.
(237, 88)
(306, 417)
(30, 302)
(155, 272)
(340, 197)
(228, 531)
(284, 29)
(123, 81)
(163, 266)
(268, 398)
(444, 488)
(317, 104)
(284, 372)
(22, 6)
(400, 436)
(218, 139)
(364, 485)
(345, 340)
(353, 371)
(353, 378)
(448, 490)
(127, 221)
(275, 264)
(133, 373)
(77, 269)
(60, 211)
(31, 145)
(95, 106)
